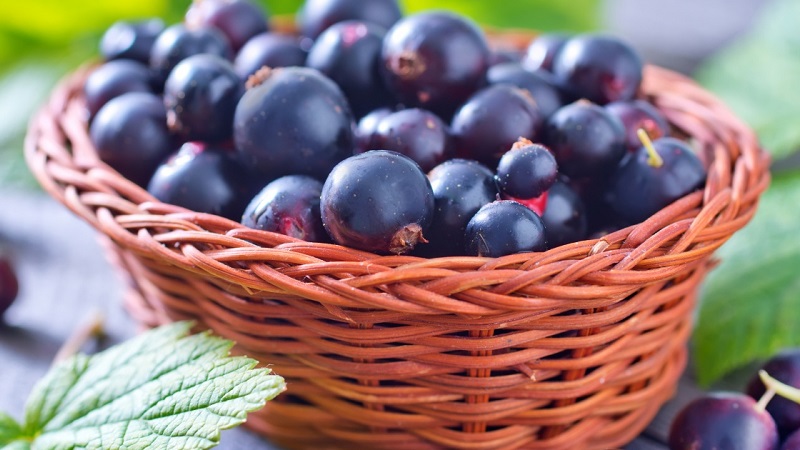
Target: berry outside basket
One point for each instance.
(577, 347)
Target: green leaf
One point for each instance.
(10, 430)
(757, 77)
(750, 307)
(163, 389)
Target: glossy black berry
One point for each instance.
(504, 227)
(177, 43)
(640, 187)
(602, 69)
(542, 51)
(113, 79)
(290, 206)
(785, 367)
(723, 420)
(539, 84)
(564, 216)
(9, 284)
(378, 201)
(586, 140)
(238, 20)
(317, 15)
(349, 53)
(792, 442)
(526, 171)
(639, 114)
(497, 57)
(270, 50)
(415, 133)
(297, 121)
(435, 60)
(131, 40)
(367, 126)
(201, 94)
(204, 179)
(487, 125)
(460, 188)
(130, 134)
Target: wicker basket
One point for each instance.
(577, 347)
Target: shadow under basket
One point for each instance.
(577, 347)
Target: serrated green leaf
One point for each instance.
(751, 302)
(757, 77)
(163, 389)
(10, 429)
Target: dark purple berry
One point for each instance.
(542, 51)
(785, 367)
(177, 43)
(416, 133)
(435, 60)
(497, 57)
(290, 206)
(378, 201)
(636, 114)
(297, 121)
(504, 227)
(526, 171)
(601, 69)
(487, 125)
(723, 420)
(460, 188)
(540, 84)
(113, 79)
(349, 53)
(270, 50)
(9, 285)
(238, 20)
(793, 441)
(131, 40)
(318, 15)
(130, 134)
(367, 127)
(586, 140)
(564, 215)
(204, 179)
(201, 94)
(641, 186)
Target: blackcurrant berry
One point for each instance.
(205, 179)
(526, 171)
(201, 94)
(238, 20)
(177, 43)
(130, 134)
(270, 50)
(487, 125)
(435, 60)
(602, 69)
(586, 140)
(784, 367)
(349, 53)
(131, 40)
(416, 133)
(317, 16)
(297, 121)
(367, 127)
(460, 188)
(504, 227)
(540, 84)
(378, 201)
(113, 79)
(9, 285)
(723, 420)
(290, 206)
(652, 178)
(635, 115)
(564, 215)
(792, 442)
(542, 51)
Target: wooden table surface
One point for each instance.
(64, 277)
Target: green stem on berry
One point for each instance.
(653, 158)
(776, 387)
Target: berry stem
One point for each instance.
(653, 158)
(776, 387)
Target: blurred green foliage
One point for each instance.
(41, 40)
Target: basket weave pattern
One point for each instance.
(576, 347)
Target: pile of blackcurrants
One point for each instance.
(385, 133)
(751, 421)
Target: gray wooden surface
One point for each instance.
(64, 278)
